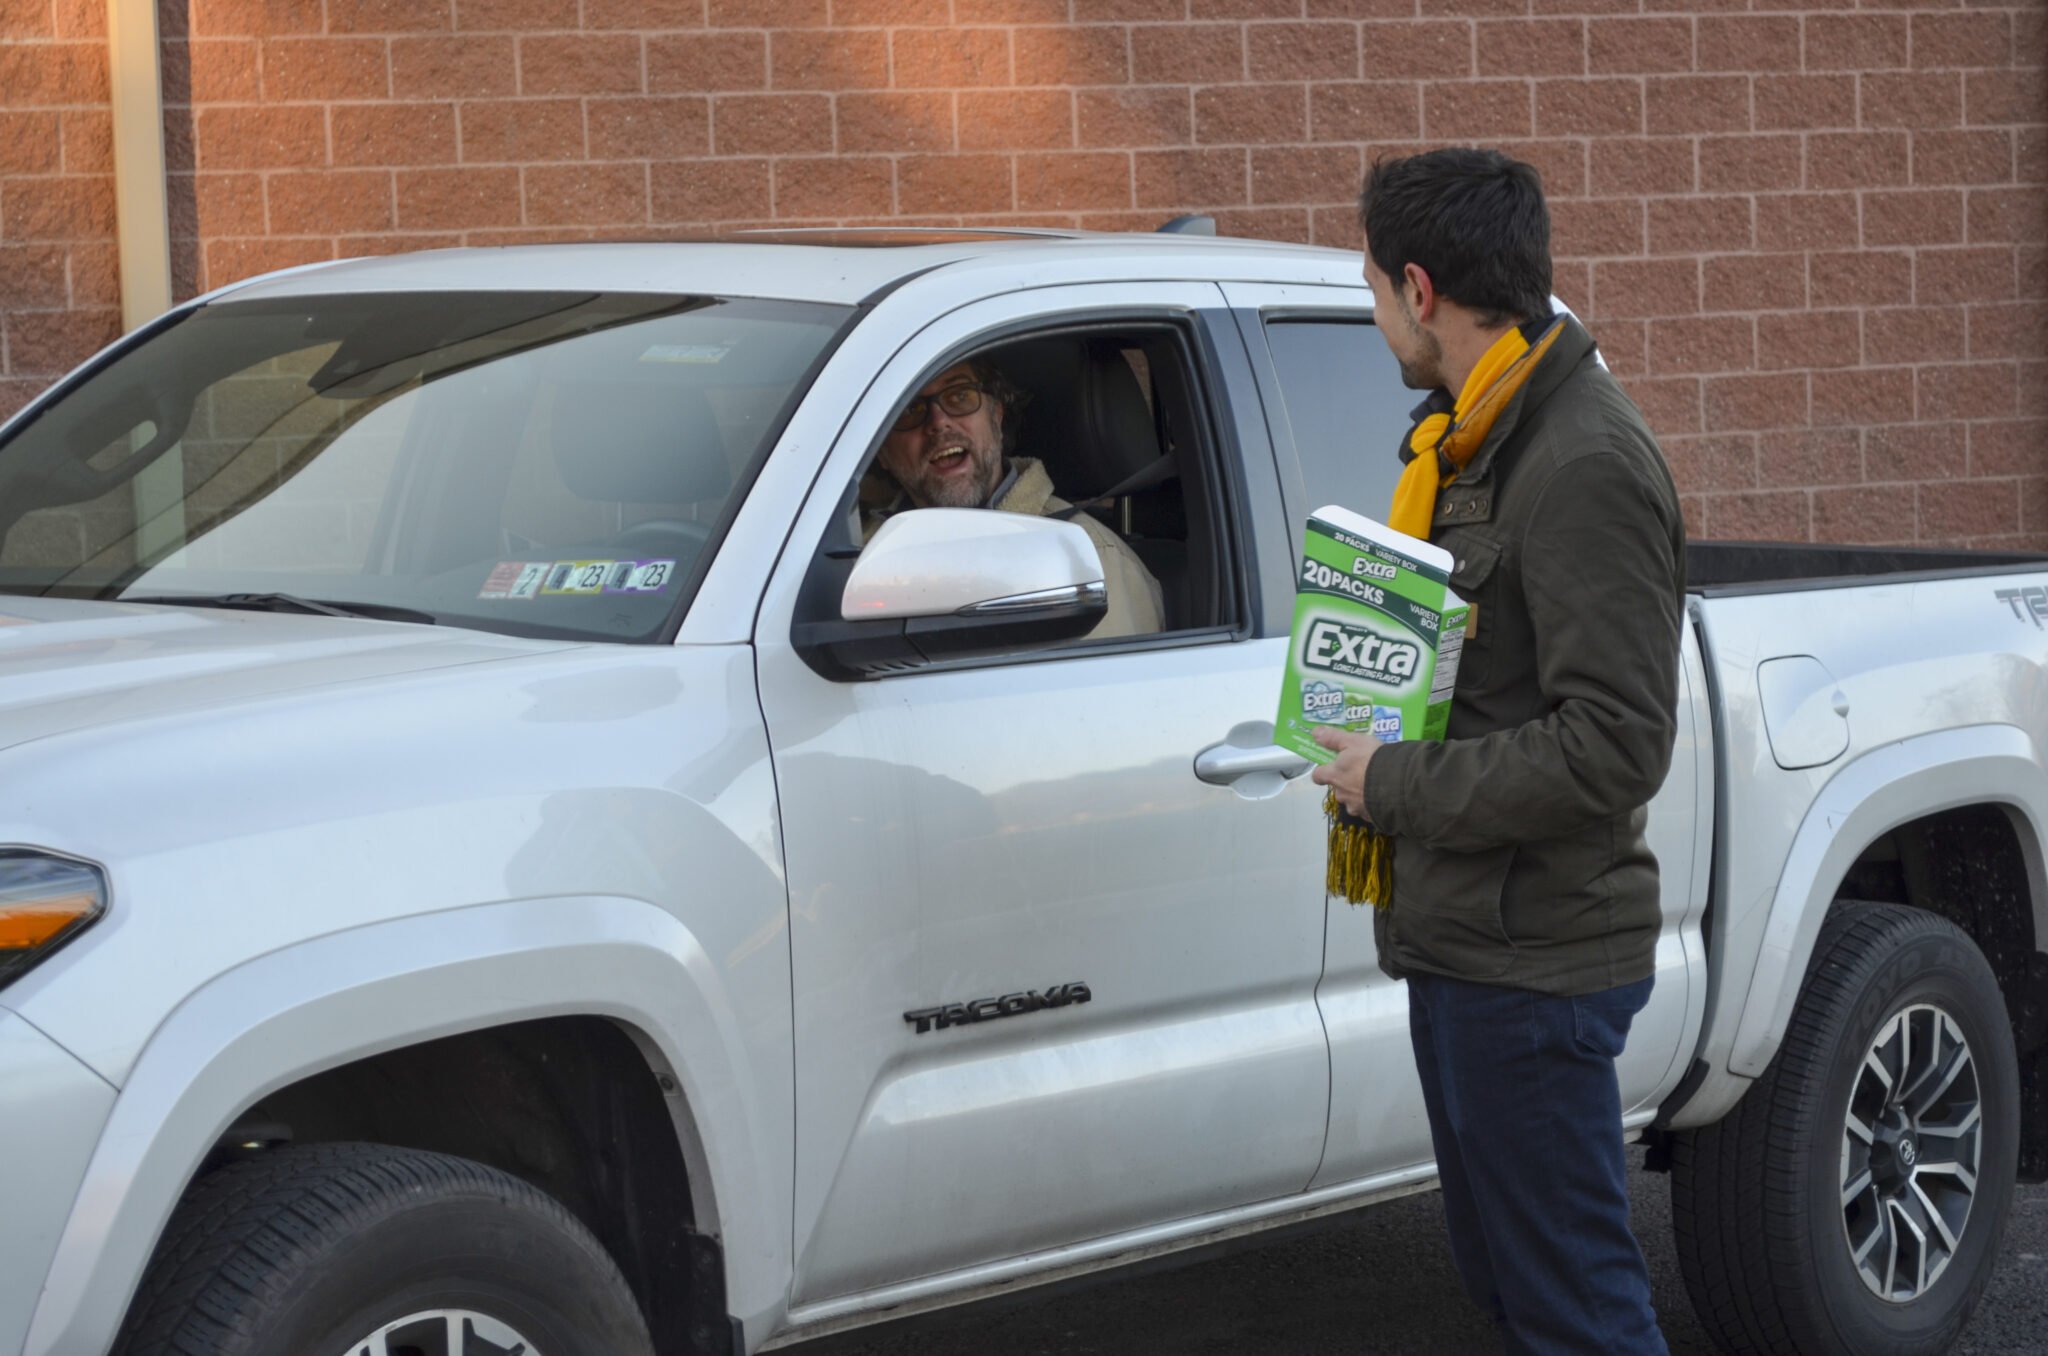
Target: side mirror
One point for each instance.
(938, 584)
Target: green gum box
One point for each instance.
(1376, 638)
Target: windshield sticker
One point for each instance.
(639, 576)
(685, 353)
(515, 579)
(578, 576)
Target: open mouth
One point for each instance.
(949, 460)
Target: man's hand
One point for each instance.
(1346, 776)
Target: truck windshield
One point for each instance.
(537, 463)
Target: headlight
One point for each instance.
(45, 901)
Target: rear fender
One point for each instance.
(1890, 786)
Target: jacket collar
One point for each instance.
(1026, 489)
(1571, 349)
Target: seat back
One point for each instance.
(1088, 418)
(638, 442)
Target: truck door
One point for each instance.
(1338, 414)
(1033, 829)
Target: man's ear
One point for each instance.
(1419, 291)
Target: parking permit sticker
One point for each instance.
(578, 576)
(640, 576)
(515, 579)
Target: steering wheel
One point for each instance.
(662, 534)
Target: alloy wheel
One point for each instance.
(444, 1332)
(1912, 1144)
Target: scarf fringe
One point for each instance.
(1361, 868)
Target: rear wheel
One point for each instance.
(367, 1250)
(1852, 1203)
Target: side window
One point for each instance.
(1347, 408)
(1106, 426)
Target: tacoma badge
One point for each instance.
(988, 1009)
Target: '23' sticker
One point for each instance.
(573, 578)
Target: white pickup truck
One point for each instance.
(494, 863)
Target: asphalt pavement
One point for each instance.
(1379, 1281)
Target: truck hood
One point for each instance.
(68, 665)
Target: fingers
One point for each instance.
(1343, 780)
(1331, 737)
(1344, 774)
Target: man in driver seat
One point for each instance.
(951, 448)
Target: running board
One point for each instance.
(1053, 1265)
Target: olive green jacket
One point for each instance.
(1519, 852)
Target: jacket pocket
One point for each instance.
(1446, 915)
(1475, 577)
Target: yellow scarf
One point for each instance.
(1361, 867)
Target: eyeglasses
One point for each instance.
(965, 398)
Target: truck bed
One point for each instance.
(1729, 567)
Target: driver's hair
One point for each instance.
(997, 384)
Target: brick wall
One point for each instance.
(1810, 238)
(59, 289)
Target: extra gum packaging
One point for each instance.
(1377, 633)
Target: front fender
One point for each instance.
(1890, 786)
(297, 1011)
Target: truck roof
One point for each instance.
(842, 266)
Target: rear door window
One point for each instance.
(1346, 407)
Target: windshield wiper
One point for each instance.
(289, 602)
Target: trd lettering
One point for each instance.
(2028, 604)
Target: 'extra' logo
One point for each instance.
(989, 1009)
(1368, 568)
(1322, 701)
(1359, 652)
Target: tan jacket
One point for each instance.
(1135, 605)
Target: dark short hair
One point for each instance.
(1474, 220)
(992, 380)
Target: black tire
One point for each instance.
(319, 1248)
(1764, 1203)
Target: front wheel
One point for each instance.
(1852, 1203)
(368, 1250)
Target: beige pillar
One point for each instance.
(141, 201)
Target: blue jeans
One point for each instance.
(1525, 1114)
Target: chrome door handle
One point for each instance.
(1222, 764)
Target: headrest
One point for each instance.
(638, 442)
(1087, 419)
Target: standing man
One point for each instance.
(1524, 910)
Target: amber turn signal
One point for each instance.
(44, 901)
(24, 925)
